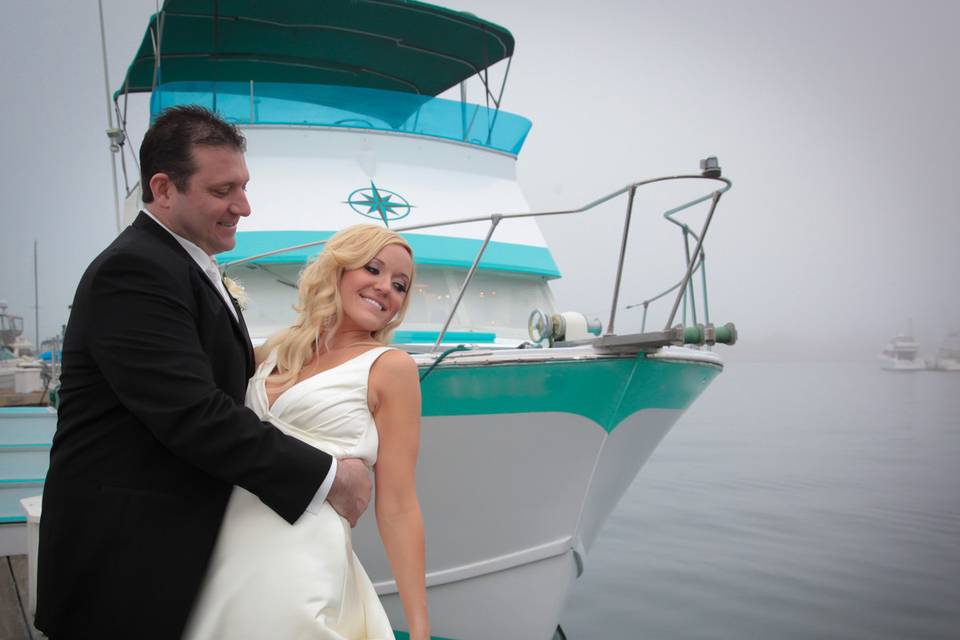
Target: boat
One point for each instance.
(23, 378)
(11, 331)
(26, 429)
(535, 420)
(26, 433)
(948, 355)
(901, 353)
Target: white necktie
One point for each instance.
(213, 272)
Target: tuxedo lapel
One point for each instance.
(145, 223)
(242, 325)
(239, 326)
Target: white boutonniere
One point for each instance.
(236, 291)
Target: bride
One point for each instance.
(331, 381)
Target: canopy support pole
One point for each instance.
(106, 85)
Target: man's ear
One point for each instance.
(161, 186)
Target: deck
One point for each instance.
(15, 622)
(31, 399)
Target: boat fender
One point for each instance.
(577, 326)
(566, 326)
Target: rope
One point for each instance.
(459, 347)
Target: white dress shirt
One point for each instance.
(209, 266)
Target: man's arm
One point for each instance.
(142, 331)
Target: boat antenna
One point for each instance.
(115, 135)
(36, 300)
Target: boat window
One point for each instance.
(496, 303)
(273, 103)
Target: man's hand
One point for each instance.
(350, 493)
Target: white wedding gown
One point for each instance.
(270, 579)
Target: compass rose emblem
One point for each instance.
(379, 204)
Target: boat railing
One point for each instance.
(695, 259)
(688, 297)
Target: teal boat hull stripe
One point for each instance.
(11, 411)
(437, 251)
(604, 391)
(469, 337)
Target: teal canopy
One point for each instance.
(397, 45)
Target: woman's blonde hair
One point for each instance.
(320, 309)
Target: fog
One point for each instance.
(836, 122)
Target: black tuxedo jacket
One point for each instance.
(151, 436)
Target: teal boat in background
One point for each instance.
(351, 115)
(26, 434)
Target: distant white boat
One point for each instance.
(948, 356)
(900, 354)
(12, 340)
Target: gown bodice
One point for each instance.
(328, 410)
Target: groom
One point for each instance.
(152, 433)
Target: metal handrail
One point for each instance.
(496, 218)
(698, 265)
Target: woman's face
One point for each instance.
(372, 295)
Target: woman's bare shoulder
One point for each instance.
(395, 364)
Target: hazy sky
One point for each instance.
(835, 120)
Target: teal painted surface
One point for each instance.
(429, 250)
(24, 463)
(26, 434)
(12, 411)
(349, 108)
(24, 428)
(403, 635)
(471, 337)
(10, 496)
(604, 391)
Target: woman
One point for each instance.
(330, 380)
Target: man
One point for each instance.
(152, 432)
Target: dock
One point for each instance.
(30, 399)
(16, 623)
(25, 437)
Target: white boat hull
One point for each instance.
(894, 364)
(947, 364)
(513, 501)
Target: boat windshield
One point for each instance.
(270, 103)
(495, 307)
(11, 323)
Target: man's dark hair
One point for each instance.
(167, 145)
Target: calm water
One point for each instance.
(813, 500)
